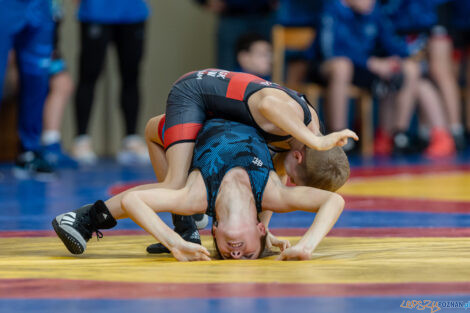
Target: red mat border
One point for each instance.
(88, 289)
(335, 232)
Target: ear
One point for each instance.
(298, 156)
(261, 229)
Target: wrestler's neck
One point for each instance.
(235, 200)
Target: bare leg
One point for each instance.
(155, 147)
(430, 102)
(179, 159)
(467, 95)
(61, 88)
(406, 97)
(440, 51)
(339, 72)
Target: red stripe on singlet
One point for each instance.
(161, 125)
(237, 85)
(181, 132)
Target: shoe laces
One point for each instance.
(87, 227)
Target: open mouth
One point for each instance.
(235, 244)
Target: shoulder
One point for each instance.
(273, 193)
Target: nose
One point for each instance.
(236, 254)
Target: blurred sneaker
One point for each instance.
(56, 157)
(83, 152)
(460, 141)
(402, 145)
(382, 143)
(441, 144)
(31, 165)
(134, 151)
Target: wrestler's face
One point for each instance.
(258, 60)
(239, 243)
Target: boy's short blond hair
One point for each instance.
(327, 170)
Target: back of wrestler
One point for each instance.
(214, 93)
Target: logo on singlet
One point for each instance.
(217, 74)
(257, 162)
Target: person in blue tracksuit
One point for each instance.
(27, 27)
(122, 23)
(345, 51)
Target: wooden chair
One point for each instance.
(299, 39)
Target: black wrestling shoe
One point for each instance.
(201, 220)
(185, 226)
(75, 228)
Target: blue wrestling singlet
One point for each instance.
(222, 145)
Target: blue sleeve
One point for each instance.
(388, 39)
(326, 36)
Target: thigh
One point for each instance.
(179, 158)
(184, 117)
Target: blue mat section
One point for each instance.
(31, 205)
(232, 305)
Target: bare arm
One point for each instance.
(282, 114)
(141, 206)
(328, 206)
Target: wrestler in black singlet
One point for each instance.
(213, 93)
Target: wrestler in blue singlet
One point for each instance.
(223, 145)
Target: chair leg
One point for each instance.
(367, 128)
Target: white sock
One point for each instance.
(50, 137)
(456, 129)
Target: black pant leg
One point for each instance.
(129, 40)
(94, 40)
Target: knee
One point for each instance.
(151, 130)
(128, 200)
(411, 71)
(340, 69)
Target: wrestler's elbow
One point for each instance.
(338, 201)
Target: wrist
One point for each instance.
(173, 242)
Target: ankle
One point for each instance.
(101, 215)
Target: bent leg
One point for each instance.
(155, 147)
(179, 158)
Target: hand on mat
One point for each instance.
(336, 139)
(188, 251)
(273, 241)
(295, 253)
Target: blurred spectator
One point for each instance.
(418, 22)
(27, 27)
(122, 23)
(254, 55)
(460, 24)
(344, 52)
(60, 90)
(298, 13)
(237, 17)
